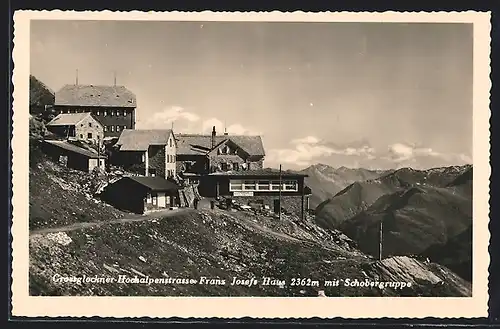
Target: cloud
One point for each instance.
(306, 140)
(189, 122)
(207, 125)
(233, 129)
(308, 150)
(403, 153)
(174, 113)
(169, 115)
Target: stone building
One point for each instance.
(147, 152)
(200, 155)
(77, 126)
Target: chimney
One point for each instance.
(213, 137)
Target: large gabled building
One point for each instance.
(200, 155)
(113, 106)
(149, 152)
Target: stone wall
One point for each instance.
(89, 126)
(257, 165)
(290, 204)
(156, 155)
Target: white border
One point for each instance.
(232, 307)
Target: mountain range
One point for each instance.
(327, 181)
(423, 212)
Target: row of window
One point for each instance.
(89, 136)
(171, 158)
(104, 113)
(262, 185)
(116, 128)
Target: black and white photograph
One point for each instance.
(228, 157)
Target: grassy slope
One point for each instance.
(213, 244)
(414, 219)
(57, 198)
(189, 245)
(456, 254)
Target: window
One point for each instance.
(97, 112)
(249, 185)
(264, 185)
(105, 128)
(112, 128)
(90, 124)
(117, 128)
(62, 111)
(105, 113)
(170, 142)
(224, 166)
(275, 185)
(100, 162)
(143, 158)
(235, 185)
(89, 136)
(112, 112)
(124, 113)
(98, 137)
(81, 135)
(290, 186)
(124, 127)
(236, 166)
(154, 198)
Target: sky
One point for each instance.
(371, 95)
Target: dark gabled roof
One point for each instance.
(154, 184)
(141, 139)
(90, 95)
(69, 119)
(76, 149)
(266, 172)
(193, 144)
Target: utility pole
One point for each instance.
(114, 74)
(77, 77)
(380, 240)
(279, 199)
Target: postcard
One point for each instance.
(265, 165)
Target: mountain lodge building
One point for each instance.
(77, 126)
(113, 106)
(147, 152)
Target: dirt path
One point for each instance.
(82, 225)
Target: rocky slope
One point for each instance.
(199, 252)
(61, 196)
